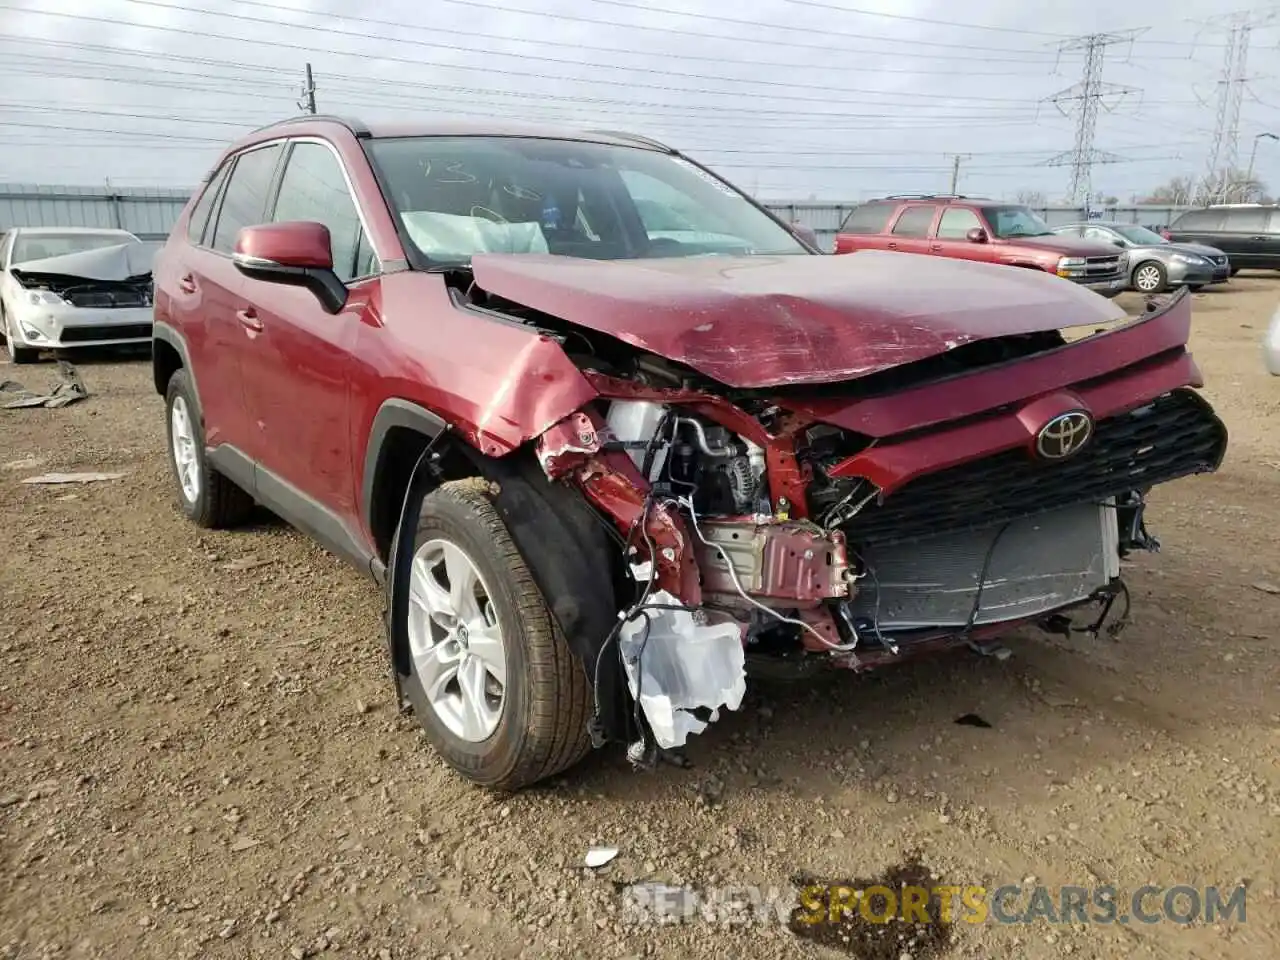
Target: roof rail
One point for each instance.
(355, 126)
(634, 138)
(927, 196)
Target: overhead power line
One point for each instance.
(1223, 161)
(1083, 99)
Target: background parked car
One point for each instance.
(1248, 234)
(988, 231)
(73, 287)
(1155, 264)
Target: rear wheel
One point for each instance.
(1149, 277)
(491, 678)
(206, 497)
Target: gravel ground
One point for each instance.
(199, 755)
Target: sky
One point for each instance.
(836, 100)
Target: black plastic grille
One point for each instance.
(1174, 436)
(107, 298)
(120, 331)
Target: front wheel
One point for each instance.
(491, 678)
(1149, 277)
(17, 353)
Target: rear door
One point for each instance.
(864, 228)
(951, 237)
(1200, 226)
(1246, 238)
(214, 330)
(912, 229)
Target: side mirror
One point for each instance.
(296, 253)
(1119, 242)
(806, 234)
(976, 235)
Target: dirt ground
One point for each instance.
(199, 755)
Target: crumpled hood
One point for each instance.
(771, 321)
(121, 262)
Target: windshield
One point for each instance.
(40, 245)
(1015, 222)
(459, 196)
(1140, 235)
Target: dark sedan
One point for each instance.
(1156, 264)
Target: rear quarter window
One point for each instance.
(868, 218)
(1198, 220)
(1247, 221)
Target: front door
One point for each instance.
(952, 236)
(297, 373)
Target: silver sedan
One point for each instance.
(1156, 264)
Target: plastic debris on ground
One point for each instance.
(73, 477)
(599, 856)
(675, 665)
(69, 389)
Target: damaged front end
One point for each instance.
(92, 297)
(776, 531)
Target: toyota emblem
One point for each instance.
(1064, 435)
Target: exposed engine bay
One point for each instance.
(930, 504)
(88, 293)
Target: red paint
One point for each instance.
(891, 465)
(288, 244)
(769, 321)
(299, 395)
(1101, 356)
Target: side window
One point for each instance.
(1100, 233)
(1198, 220)
(914, 222)
(200, 212)
(1247, 221)
(870, 218)
(313, 188)
(244, 202)
(956, 222)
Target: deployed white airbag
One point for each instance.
(447, 236)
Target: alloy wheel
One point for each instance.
(1147, 278)
(455, 641)
(184, 449)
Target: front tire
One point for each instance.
(206, 497)
(1150, 277)
(17, 354)
(491, 678)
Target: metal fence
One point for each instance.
(147, 212)
(825, 218)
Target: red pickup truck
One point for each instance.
(988, 231)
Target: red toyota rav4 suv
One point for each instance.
(985, 231)
(610, 434)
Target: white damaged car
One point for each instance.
(63, 287)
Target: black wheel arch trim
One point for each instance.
(560, 537)
(167, 334)
(394, 413)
